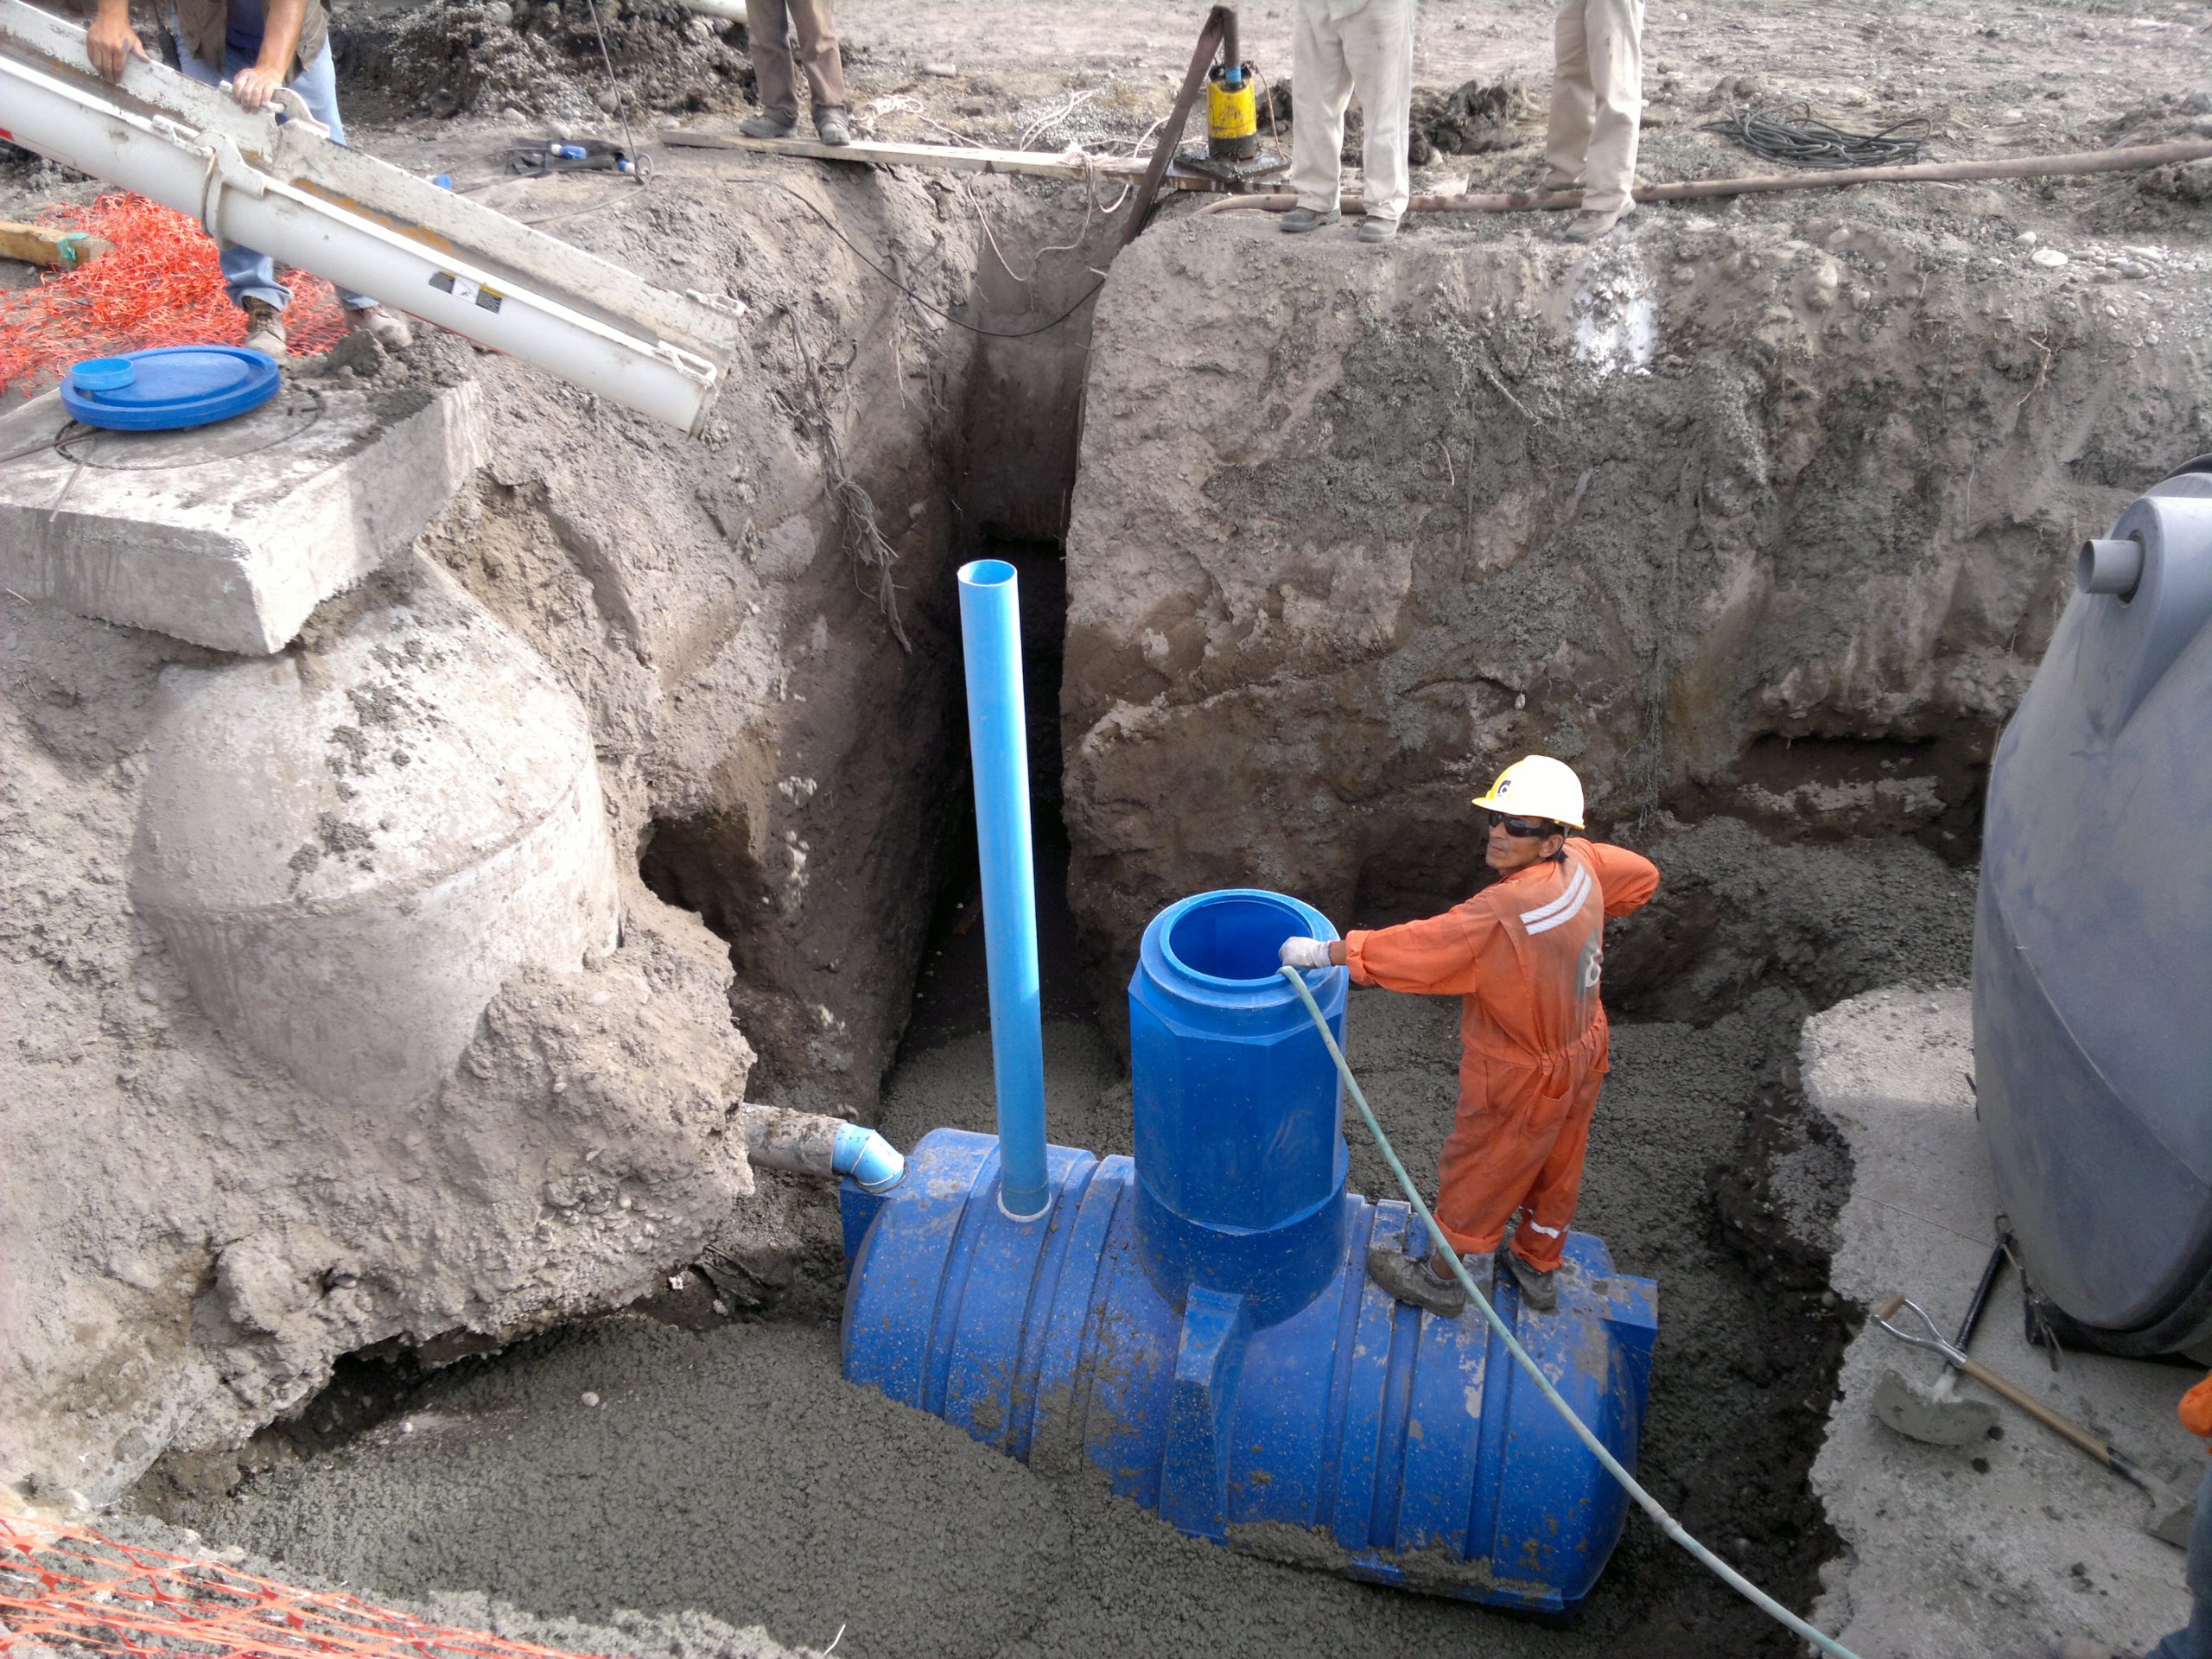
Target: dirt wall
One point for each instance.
(1765, 513)
(759, 626)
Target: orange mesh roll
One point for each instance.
(162, 286)
(68, 1587)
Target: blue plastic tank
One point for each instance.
(1195, 1325)
(2093, 939)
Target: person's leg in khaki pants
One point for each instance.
(769, 24)
(1614, 33)
(1323, 79)
(1378, 46)
(1567, 143)
(1597, 107)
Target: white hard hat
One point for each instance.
(1538, 787)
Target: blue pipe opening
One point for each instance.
(990, 631)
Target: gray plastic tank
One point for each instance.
(2093, 939)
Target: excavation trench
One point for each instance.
(686, 1464)
(697, 1463)
(1759, 519)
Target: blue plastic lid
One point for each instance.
(169, 388)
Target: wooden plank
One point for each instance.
(34, 244)
(1032, 163)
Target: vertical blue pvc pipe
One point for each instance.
(998, 744)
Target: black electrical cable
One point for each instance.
(1089, 293)
(1794, 135)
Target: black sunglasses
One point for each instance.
(1524, 829)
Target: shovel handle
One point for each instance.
(2036, 1408)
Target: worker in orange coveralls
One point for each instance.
(2194, 1639)
(1524, 955)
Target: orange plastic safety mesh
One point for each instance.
(162, 286)
(71, 1589)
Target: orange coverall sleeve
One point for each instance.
(1628, 880)
(1435, 957)
(2197, 1409)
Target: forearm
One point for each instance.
(110, 14)
(280, 36)
(1432, 958)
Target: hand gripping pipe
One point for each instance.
(998, 747)
(287, 190)
(1441, 1251)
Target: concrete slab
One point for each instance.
(228, 535)
(2006, 1546)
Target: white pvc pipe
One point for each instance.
(733, 9)
(203, 175)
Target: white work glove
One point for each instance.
(1304, 953)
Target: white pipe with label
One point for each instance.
(203, 173)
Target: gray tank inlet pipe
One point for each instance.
(2019, 167)
(804, 1143)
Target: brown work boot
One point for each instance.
(1413, 1281)
(264, 328)
(829, 127)
(1587, 227)
(1299, 220)
(769, 126)
(1539, 1285)
(388, 331)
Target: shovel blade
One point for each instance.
(2171, 1518)
(1900, 1406)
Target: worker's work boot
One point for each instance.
(1587, 227)
(769, 126)
(1539, 1285)
(388, 331)
(1377, 230)
(1299, 220)
(829, 127)
(1412, 1281)
(264, 328)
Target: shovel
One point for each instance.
(2171, 1512)
(1939, 1417)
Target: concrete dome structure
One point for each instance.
(352, 845)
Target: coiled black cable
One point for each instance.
(1794, 136)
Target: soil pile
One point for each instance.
(538, 57)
